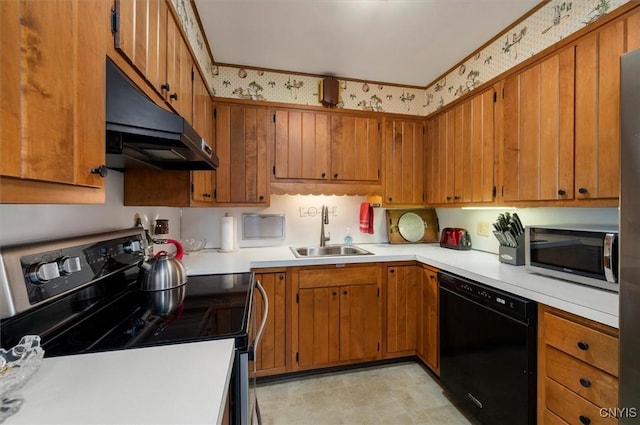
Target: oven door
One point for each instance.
(246, 410)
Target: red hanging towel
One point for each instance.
(366, 218)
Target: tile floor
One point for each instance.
(396, 394)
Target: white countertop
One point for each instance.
(171, 384)
(585, 301)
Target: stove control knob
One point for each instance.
(68, 265)
(43, 272)
(133, 246)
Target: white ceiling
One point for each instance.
(408, 42)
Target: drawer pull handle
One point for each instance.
(585, 420)
(583, 346)
(585, 382)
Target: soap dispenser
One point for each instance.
(348, 240)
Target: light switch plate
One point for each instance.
(483, 228)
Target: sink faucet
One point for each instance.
(325, 220)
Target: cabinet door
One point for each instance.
(53, 116)
(538, 131)
(359, 322)
(270, 355)
(178, 89)
(141, 37)
(202, 181)
(439, 160)
(597, 117)
(319, 326)
(242, 136)
(474, 153)
(402, 306)
(428, 341)
(404, 162)
(302, 145)
(355, 148)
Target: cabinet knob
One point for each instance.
(173, 96)
(585, 382)
(335, 175)
(390, 199)
(448, 198)
(261, 197)
(456, 198)
(583, 190)
(432, 276)
(561, 192)
(323, 175)
(102, 171)
(392, 271)
(585, 420)
(344, 292)
(165, 86)
(281, 277)
(583, 346)
(334, 293)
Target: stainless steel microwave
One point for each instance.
(586, 254)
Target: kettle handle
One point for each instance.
(179, 248)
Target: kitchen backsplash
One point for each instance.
(24, 223)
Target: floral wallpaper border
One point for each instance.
(551, 23)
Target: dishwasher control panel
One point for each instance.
(490, 297)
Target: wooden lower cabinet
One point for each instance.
(402, 303)
(428, 324)
(577, 369)
(270, 355)
(337, 315)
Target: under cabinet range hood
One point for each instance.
(142, 134)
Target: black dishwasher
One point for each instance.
(488, 351)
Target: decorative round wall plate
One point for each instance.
(411, 227)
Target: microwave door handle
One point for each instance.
(609, 240)
(265, 314)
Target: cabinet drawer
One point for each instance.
(322, 278)
(586, 344)
(573, 408)
(551, 418)
(593, 384)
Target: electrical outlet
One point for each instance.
(484, 228)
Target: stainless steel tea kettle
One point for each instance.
(163, 271)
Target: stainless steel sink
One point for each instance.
(328, 251)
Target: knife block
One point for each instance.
(513, 255)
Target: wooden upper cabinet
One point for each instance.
(53, 113)
(149, 36)
(203, 123)
(597, 119)
(178, 87)
(460, 152)
(302, 142)
(404, 162)
(355, 148)
(538, 131)
(243, 134)
(141, 37)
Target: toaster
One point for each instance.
(455, 238)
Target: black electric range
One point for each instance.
(80, 295)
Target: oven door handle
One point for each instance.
(265, 314)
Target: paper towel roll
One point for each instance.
(227, 233)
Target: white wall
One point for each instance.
(469, 219)
(25, 223)
(205, 222)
